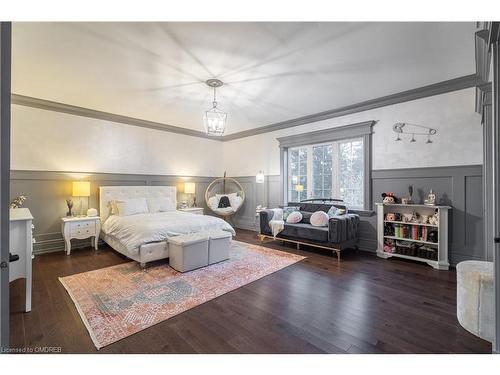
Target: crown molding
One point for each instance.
(455, 84)
(48, 105)
(401, 97)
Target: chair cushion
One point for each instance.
(305, 231)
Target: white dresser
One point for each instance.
(21, 244)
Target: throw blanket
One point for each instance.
(277, 224)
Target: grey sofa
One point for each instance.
(341, 233)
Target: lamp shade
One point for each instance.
(299, 188)
(189, 187)
(81, 188)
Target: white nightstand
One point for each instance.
(192, 210)
(80, 227)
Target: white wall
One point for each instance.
(458, 141)
(52, 141)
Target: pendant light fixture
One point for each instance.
(214, 119)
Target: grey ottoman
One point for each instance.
(188, 251)
(475, 298)
(219, 244)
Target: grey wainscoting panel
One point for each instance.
(266, 194)
(459, 187)
(47, 193)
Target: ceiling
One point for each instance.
(272, 71)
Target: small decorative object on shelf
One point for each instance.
(69, 203)
(409, 198)
(390, 216)
(431, 199)
(91, 212)
(389, 198)
(413, 231)
(434, 219)
(18, 201)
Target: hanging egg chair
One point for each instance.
(224, 197)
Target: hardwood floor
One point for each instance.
(361, 305)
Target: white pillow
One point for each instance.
(160, 204)
(127, 207)
(213, 202)
(319, 219)
(294, 217)
(236, 202)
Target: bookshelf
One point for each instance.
(410, 236)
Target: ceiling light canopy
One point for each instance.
(214, 119)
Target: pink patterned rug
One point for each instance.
(118, 301)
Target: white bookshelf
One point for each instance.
(441, 246)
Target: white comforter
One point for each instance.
(136, 230)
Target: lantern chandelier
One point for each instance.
(413, 129)
(214, 119)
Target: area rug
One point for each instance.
(118, 301)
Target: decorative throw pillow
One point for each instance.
(235, 202)
(287, 210)
(294, 217)
(319, 219)
(160, 204)
(306, 217)
(213, 202)
(127, 207)
(224, 202)
(333, 211)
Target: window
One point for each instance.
(328, 170)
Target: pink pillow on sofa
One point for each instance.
(319, 219)
(294, 217)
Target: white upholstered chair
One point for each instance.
(475, 298)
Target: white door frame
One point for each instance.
(494, 41)
(5, 93)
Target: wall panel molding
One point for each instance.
(458, 186)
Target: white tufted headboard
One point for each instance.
(109, 193)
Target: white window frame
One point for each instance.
(361, 130)
(335, 192)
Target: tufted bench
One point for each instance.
(475, 298)
(188, 251)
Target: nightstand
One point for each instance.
(80, 227)
(192, 210)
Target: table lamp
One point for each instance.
(81, 189)
(189, 188)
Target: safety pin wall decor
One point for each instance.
(406, 128)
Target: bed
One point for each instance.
(143, 236)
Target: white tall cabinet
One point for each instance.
(21, 244)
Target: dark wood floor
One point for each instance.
(362, 305)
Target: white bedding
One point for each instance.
(136, 230)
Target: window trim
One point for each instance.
(358, 130)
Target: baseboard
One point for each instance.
(53, 245)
